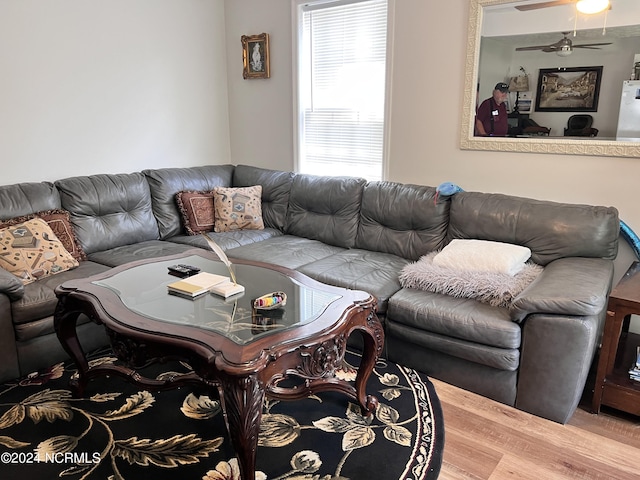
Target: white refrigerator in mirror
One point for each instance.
(629, 117)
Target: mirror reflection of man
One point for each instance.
(491, 116)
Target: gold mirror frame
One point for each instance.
(468, 141)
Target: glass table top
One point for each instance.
(143, 290)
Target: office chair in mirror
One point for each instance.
(580, 126)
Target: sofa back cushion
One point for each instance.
(164, 183)
(276, 187)
(325, 209)
(402, 219)
(27, 198)
(551, 230)
(108, 211)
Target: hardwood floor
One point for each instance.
(488, 440)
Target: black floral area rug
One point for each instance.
(120, 433)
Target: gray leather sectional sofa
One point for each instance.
(357, 234)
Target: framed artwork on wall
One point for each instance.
(574, 89)
(255, 56)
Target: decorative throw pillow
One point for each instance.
(494, 288)
(483, 256)
(238, 208)
(60, 222)
(197, 211)
(30, 250)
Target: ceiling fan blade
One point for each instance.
(535, 6)
(524, 49)
(590, 45)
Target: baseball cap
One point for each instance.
(503, 87)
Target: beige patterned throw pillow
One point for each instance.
(60, 223)
(238, 208)
(30, 250)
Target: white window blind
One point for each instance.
(341, 87)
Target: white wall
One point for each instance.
(94, 86)
(261, 113)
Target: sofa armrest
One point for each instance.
(555, 358)
(9, 366)
(567, 286)
(11, 285)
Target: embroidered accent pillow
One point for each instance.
(60, 222)
(30, 250)
(197, 211)
(238, 208)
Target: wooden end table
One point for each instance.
(240, 353)
(613, 386)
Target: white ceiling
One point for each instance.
(544, 26)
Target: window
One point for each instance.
(341, 69)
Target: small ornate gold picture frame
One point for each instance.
(255, 56)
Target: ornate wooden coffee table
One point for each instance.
(241, 353)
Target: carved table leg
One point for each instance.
(242, 400)
(65, 326)
(373, 338)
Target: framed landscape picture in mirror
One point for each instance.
(255, 56)
(574, 89)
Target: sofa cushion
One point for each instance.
(238, 208)
(285, 250)
(39, 300)
(164, 183)
(227, 240)
(494, 288)
(506, 359)
(402, 219)
(196, 210)
(137, 251)
(109, 210)
(373, 272)
(551, 230)
(31, 251)
(325, 209)
(460, 318)
(26, 198)
(60, 223)
(276, 187)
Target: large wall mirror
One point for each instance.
(502, 37)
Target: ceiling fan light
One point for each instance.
(564, 51)
(589, 7)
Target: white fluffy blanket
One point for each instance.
(496, 289)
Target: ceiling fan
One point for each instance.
(563, 46)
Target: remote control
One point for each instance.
(182, 270)
(190, 267)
